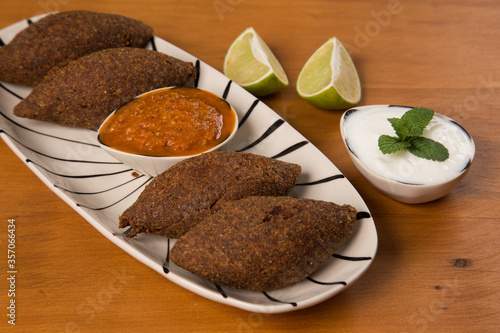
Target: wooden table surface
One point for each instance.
(437, 265)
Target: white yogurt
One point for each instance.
(363, 126)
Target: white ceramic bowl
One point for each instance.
(401, 190)
(154, 165)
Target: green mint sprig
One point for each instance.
(409, 129)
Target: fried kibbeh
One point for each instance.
(190, 191)
(264, 243)
(59, 38)
(83, 93)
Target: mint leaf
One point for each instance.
(428, 149)
(412, 123)
(416, 119)
(391, 144)
(399, 127)
(409, 129)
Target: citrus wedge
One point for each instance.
(329, 79)
(251, 63)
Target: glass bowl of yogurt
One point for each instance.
(402, 175)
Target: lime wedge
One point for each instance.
(251, 63)
(329, 79)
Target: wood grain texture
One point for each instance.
(437, 266)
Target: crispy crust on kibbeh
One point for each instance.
(59, 38)
(264, 243)
(83, 93)
(193, 189)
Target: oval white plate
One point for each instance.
(71, 163)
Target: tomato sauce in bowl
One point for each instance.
(175, 121)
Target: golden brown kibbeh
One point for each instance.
(264, 243)
(59, 38)
(83, 93)
(190, 191)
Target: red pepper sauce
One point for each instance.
(178, 121)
